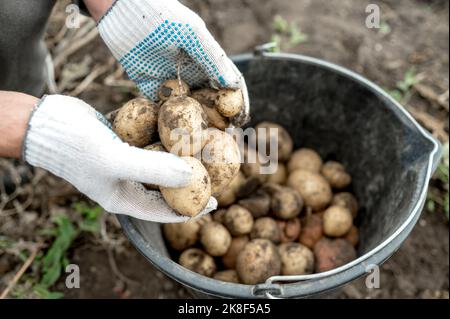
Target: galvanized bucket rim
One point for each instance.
(270, 289)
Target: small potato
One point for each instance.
(353, 236)
(221, 158)
(229, 102)
(173, 88)
(258, 261)
(229, 275)
(182, 235)
(337, 221)
(312, 230)
(238, 220)
(190, 200)
(181, 125)
(296, 259)
(215, 119)
(252, 166)
(258, 203)
(215, 238)
(305, 159)
(266, 228)
(280, 176)
(157, 147)
(268, 132)
(136, 123)
(228, 196)
(237, 245)
(218, 216)
(346, 200)
(198, 261)
(313, 188)
(286, 202)
(289, 229)
(248, 187)
(333, 253)
(336, 175)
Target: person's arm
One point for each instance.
(97, 8)
(70, 139)
(15, 110)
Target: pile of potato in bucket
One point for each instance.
(297, 220)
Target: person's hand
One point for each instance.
(70, 139)
(153, 39)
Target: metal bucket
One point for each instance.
(346, 117)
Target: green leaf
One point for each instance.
(297, 36)
(280, 24)
(44, 293)
(408, 81)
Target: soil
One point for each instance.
(336, 32)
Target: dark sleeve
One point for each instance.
(82, 6)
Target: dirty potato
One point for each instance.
(238, 220)
(313, 188)
(181, 125)
(269, 133)
(305, 159)
(198, 261)
(191, 199)
(221, 158)
(258, 261)
(336, 175)
(296, 259)
(136, 123)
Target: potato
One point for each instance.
(190, 200)
(296, 259)
(258, 261)
(186, 120)
(346, 200)
(251, 167)
(336, 175)
(333, 253)
(136, 123)
(248, 187)
(182, 235)
(237, 245)
(238, 220)
(198, 261)
(305, 159)
(286, 203)
(215, 238)
(337, 221)
(229, 275)
(314, 189)
(221, 158)
(218, 216)
(312, 230)
(353, 236)
(229, 102)
(228, 196)
(289, 230)
(173, 88)
(157, 147)
(258, 203)
(215, 119)
(265, 136)
(280, 175)
(266, 228)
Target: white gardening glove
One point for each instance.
(73, 141)
(151, 37)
